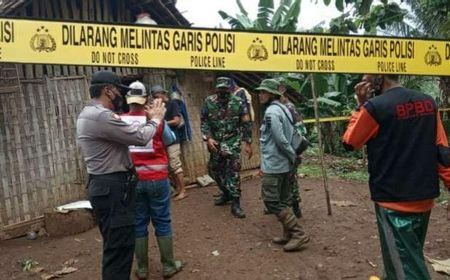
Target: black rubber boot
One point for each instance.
(236, 208)
(222, 200)
(296, 209)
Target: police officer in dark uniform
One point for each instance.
(104, 139)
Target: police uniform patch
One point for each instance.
(268, 122)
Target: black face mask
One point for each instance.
(378, 82)
(117, 102)
(223, 94)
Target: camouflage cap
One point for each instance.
(223, 82)
(270, 85)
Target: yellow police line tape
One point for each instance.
(334, 119)
(327, 119)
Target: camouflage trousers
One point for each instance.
(225, 170)
(293, 181)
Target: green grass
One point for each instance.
(345, 168)
(27, 264)
(357, 175)
(315, 171)
(310, 170)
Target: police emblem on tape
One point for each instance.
(42, 41)
(257, 51)
(432, 57)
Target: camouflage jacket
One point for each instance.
(222, 121)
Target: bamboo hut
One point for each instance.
(40, 167)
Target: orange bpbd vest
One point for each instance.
(150, 161)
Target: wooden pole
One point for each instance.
(319, 132)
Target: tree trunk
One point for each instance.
(444, 84)
(322, 160)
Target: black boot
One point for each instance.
(236, 208)
(222, 200)
(296, 209)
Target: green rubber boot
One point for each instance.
(141, 253)
(170, 265)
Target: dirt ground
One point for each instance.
(343, 246)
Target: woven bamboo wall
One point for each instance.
(40, 167)
(39, 162)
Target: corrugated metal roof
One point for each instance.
(8, 7)
(162, 11)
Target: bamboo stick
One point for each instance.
(319, 132)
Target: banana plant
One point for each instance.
(335, 95)
(283, 18)
(361, 6)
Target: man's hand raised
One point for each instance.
(157, 110)
(363, 92)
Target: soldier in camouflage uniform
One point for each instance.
(224, 123)
(300, 127)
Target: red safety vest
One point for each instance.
(150, 161)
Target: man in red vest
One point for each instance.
(152, 191)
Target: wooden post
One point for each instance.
(319, 132)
